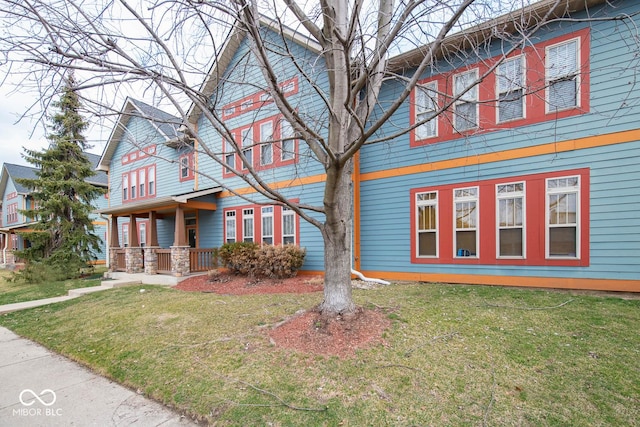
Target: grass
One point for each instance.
(455, 355)
(12, 292)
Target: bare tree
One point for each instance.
(352, 50)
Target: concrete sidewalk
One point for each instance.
(41, 388)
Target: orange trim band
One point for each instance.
(534, 282)
(516, 153)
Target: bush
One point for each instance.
(261, 261)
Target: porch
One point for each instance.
(141, 253)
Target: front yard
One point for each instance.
(453, 355)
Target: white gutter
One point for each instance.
(6, 243)
(107, 246)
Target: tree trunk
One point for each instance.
(337, 244)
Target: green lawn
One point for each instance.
(12, 292)
(454, 355)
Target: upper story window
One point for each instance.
(258, 99)
(139, 154)
(466, 107)
(139, 183)
(510, 89)
(266, 139)
(12, 213)
(229, 156)
(426, 101)
(427, 227)
(186, 167)
(247, 146)
(125, 186)
(562, 75)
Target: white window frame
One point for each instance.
(549, 107)
(469, 97)
(509, 195)
(142, 177)
(133, 184)
(266, 138)
(142, 232)
(125, 186)
(267, 213)
(151, 190)
(286, 155)
(430, 93)
(466, 199)
(426, 203)
(125, 235)
(248, 218)
(286, 213)
(184, 166)
(574, 189)
(230, 230)
(511, 86)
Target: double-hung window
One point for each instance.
(152, 180)
(510, 87)
(184, 167)
(465, 90)
(142, 228)
(563, 217)
(510, 215)
(134, 184)
(288, 226)
(143, 179)
(466, 221)
(287, 135)
(125, 186)
(247, 147)
(267, 224)
(427, 217)
(230, 226)
(266, 138)
(425, 109)
(562, 75)
(247, 225)
(229, 156)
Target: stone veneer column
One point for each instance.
(113, 259)
(180, 260)
(134, 259)
(11, 259)
(151, 260)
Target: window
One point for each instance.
(466, 107)
(427, 217)
(562, 69)
(125, 186)
(267, 224)
(184, 167)
(425, 108)
(563, 199)
(133, 186)
(230, 157)
(510, 213)
(247, 142)
(12, 213)
(288, 226)
(142, 233)
(466, 222)
(143, 179)
(125, 235)
(510, 88)
(266, 137)
(230, 226)
(152, 180)
(247, 225)
(287, 135)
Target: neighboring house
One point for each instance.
(529, 179)
(16, 197)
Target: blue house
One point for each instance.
(528, 178)
(16, 198)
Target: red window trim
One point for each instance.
(257, 223)
(277, 147)
(12, 213)
(256, 100)
(535, 106)
(135, 155)
(147, 168)
(190, 175)
(535, 217)
(12, 195)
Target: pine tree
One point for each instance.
(63, 238)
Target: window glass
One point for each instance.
(266, 149)
(247, 225)
(466, 111)
(562, 217)
(230, 226)
(466, 221)
(426, 105)
(427, 204)
(510, 209)
(288, 140)
(510, 84)
(562, 75)
(267, 225)
(288, 226)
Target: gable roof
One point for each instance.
(13, 171)
(231, 45)
(166, 124)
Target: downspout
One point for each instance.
(6, 244)
(355, 221)
(108, 242)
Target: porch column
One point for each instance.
(133, 254)
(9, 257)
(150, 252)
(114, 243)
(180, 248)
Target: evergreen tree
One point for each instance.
(63, 238)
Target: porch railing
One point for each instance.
(200, 259)
(121, 263)
(164, 260)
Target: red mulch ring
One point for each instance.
(232, 284)
(308, 332)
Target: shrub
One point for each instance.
(261, 261)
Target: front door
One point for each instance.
(191, 227)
